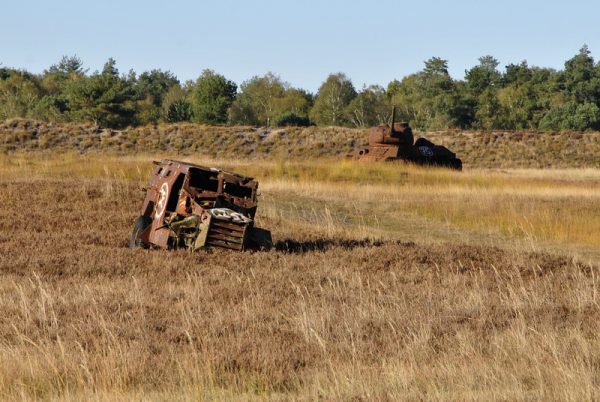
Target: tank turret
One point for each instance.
(399, 134)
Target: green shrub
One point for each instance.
(291, 119)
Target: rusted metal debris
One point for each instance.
(193, 207)
(396, 142)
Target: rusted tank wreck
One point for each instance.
(396, 142)
(193, 207)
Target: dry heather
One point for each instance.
(343, 308)
(477, 149)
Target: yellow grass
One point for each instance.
(539, 209)
(387, 282)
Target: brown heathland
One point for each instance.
(396, 303)
(494, 149)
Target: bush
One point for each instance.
(291, 119)
(572, 116)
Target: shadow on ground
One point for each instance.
(299, 247)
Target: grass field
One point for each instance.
(387, 282)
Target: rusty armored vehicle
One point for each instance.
(193, 207)
(396, 142)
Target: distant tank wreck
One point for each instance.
(396, 142)
(194, 207)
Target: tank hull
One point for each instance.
(421, 153)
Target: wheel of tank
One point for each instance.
(140, 224)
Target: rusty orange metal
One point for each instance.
(395, 142)
(191, 206)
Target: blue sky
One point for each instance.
(373, 42)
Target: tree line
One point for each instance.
(519, 97)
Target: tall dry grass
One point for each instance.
(371, 293)
(528, 209)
